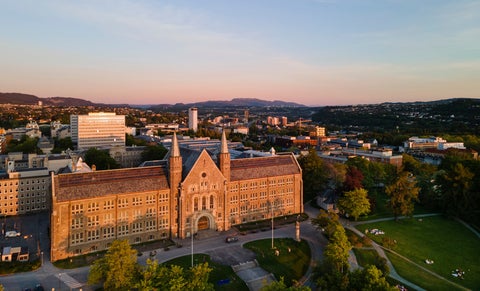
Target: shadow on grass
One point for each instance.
(219, 276)
(290, 262)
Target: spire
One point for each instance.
(175, 150)
(224, 145)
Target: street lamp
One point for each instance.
(271, 207)
(191, 236)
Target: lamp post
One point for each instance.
(191, 236)
(271, 207)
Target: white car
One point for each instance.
(12, 233)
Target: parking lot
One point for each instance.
(32, 230)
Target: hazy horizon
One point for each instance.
(312, 52)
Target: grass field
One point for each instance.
(219, 272)
(448, 243)
(291, 265)
(380, 209)
(418, 276)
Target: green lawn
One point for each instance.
(448, 243)
(219, 272)
(366, 256)
(418, 276)
(380, 210)
(291, 265)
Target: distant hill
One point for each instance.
(247, 102)
(27, 99)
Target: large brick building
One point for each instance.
(195, 190)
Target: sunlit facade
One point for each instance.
(98, 129)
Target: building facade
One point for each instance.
(195, 191)
(98, 129)
(193, 118)
(24, 191)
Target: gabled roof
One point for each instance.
(109, 182)
(255, 168)
(189, 157)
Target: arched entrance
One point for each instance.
(203, 223)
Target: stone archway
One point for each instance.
(203, 223)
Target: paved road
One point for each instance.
(59, 279)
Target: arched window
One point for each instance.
(204, 203)
(195, 204)
(211, 201)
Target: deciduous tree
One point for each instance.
(313, 173)
(354, 203)
(118, 269)
(101, 159)
(403, 193)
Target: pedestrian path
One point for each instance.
(253, 275)
(69, 280)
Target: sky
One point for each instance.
(313, 52)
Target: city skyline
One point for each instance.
(313, 52)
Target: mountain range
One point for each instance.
(27, 99)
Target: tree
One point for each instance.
(101, 159)
(326, 222)
(281, 286)
(62, 144)
(456, 182)
(353, 179)
(336, 173)
(336, 252)
(118, 269)
(369, 278)
(313, 174)
(403, 193)
(174, 278)
(156, 152)
(354, 203)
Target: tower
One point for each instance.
(193, 118)
(174, 179)
(224, 158)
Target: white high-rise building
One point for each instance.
(193, 118)
(99, 129)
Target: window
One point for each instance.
(195, 204)
(77, 208)
(204, 203)
(93, 220)
(93, 234)
(77, 222)
(93, 206)
(109, 204)
(108, 232)
(123, 230)
(211, 202)
(150, 225)
(76, 238)
(137, 201)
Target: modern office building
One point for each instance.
(193, 191)
(24, 191)
(99, 129)
(193, 118)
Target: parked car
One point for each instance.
(231, 239)
(12, 233)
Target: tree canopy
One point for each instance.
(354, 203)
(313, 173)
(101, 159)
(402, 193)
(118, 269)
